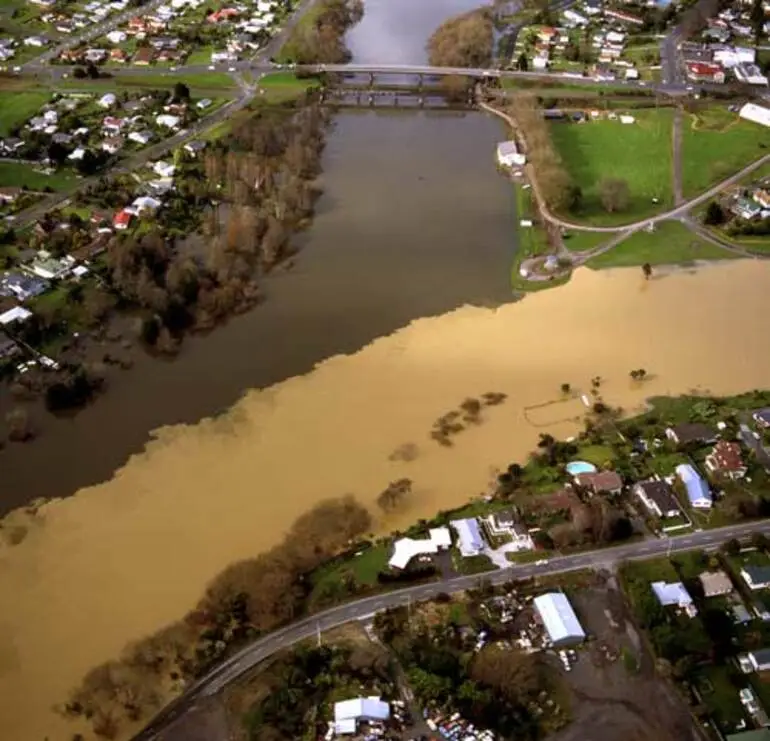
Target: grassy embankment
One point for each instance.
(672, 243)
(639, 153)
(716, 143)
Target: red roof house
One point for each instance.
(122, 219)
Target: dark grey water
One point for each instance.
(414, 221)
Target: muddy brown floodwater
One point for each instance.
(119, 560)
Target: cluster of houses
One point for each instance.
(726, 50)
(609, 30)
(37, 271)
(100, 127)
(155, 37)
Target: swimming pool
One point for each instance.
(576, 467)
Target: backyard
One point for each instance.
(16, 174)
(639, 153)
(671, 243)
(17, 107)
(717, 144)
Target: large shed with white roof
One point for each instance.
(755, 113)
(559, 619)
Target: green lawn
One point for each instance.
(211, 82)
(584, 241)
(671, 243)
(21, 175)
(533, 240)
(284, 86)
(17, 107)
(288, 52)
(639, 153)
(717, 144)
(596, 454)
(720, 695)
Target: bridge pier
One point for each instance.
(420, 78)
(371, 79)
(395, 100)
(421, 101)
(371, 100)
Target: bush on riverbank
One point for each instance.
(319, 37)
(247, 599)
(463, 41)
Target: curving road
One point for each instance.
(249, 657)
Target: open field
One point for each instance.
(533, 240)
(288, 52)
(639, 153)
(17, 107)
(670, 243)
(715, 145)
(283, 86)
(208, 82)
(22, 175)
(584, 241)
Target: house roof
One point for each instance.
(692, 432)
(366, 708)
(558, 617)
(727, 456)
(674, 593)
(761, 655)
(470, 541)
(122, 217)
(715, 582)
(705, 69)
(661, 494)
(600, 480)
(697, 488)
(757, 574)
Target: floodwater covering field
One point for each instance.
(119, 560)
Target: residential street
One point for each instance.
(250, 656)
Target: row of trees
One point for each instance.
(463, 41)
(556, 186)
(246, 599)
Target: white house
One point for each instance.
(167, 120)
(469, 539)
(750, 74)
(164, 169)
(116, 37)
(405, 549)
(107, 100)
(504, 524)
(140, 137)
(755, 113)
(760, 660)
(77, 154)
(145, 204)
(508, 155)
(559, 620)
(675, 594)
(697, 489)
(16, 314)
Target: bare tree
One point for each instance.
(614, 194)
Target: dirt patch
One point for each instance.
(205, 722)
(615, 692)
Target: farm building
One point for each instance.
(559, 619)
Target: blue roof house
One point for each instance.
(698, 491)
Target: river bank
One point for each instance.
(136, 552)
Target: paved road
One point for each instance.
(259, 650)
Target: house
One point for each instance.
(674, 594)
(21, 286)
(730, 57)
(201, 105)
(608, 482)
(122, 219)
(144, 57)
(755, 113)
(116, 37)
(405, 549)
(697, 489)
(16, 314)
(760, 659)
(691, 432)
(469, 539)
(558, 618)
(503, 524)
(223, 14)
(164, 169)
(349, 713)
(726, 460)
(508, 155)
(756, 577)
(659, 498)
(540, 61)
(113, 144)
(167, 121)
(750, 74)
(118, 55)
(113, 124)
(745, 209)
(140, 137)
(762, 417)
(145, 204)
(715, 583)
(49, 268)
(762, 197)
(704, 72)
(194, 147)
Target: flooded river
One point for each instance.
(118, 560)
